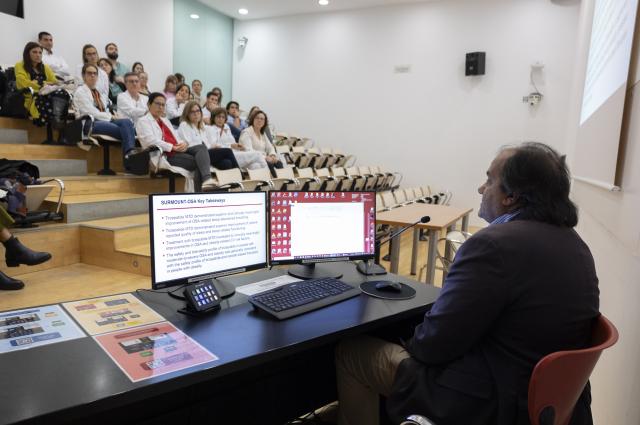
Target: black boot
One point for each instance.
(17, 254)
(9, 284)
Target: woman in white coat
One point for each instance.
(192, 130)
(254, 138)
(155, 130)
(221, 135)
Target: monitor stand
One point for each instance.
(314, 271)
(225, 289)
(369, 268)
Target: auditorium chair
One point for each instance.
(307, 179)
(344, 182)
(369, 177)
(558, 379)
(285, 152)
(264, 175)
(327, 181)
(358, 179)
(105, 142)
(314, 158)
(230, 181)
(287, 174)
(160, 167)
(328, 157)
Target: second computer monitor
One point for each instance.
(313, 227)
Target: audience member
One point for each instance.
(115, 87)
(210, 104)
(518, 290)
(170, 85)
(267, 130)
(137, 67)
(218, 91)
(254, 138)
(132, 104)
(57, 63)
(221, 135)
(144, 83)
(192, 130)
(90, 57)
(32, 73)
(89, 101)
(175, 105)
(155, 130)
(236, 124)
(180, 78)
(111, 51)
(16, 253)
(196, 91)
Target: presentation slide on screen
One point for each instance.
(21, 329)
(311, 221)
(112, 313)
(196, 234)
(609, 52)
(151, 351)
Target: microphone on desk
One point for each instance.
(370, 269)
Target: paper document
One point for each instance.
(265, 285)
(20, 329)
(112, 313)
(154, 350)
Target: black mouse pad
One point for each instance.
(369, 288)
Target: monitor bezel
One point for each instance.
(211, 275)
(310, 261)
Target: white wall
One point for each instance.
(610, 226)
(330, 77)
(142, 29)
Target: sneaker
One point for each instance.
(209, 184)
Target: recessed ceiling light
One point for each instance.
(323, 2)
(194, 16)
(243, 11)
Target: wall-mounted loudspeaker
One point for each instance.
(474, 64)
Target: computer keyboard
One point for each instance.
(301, 297)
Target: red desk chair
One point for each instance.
(559, 378)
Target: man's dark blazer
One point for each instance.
(516, 292)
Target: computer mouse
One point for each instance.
(389, 286)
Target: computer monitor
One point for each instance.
(202, 236)
(314, 227)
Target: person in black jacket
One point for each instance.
(522, 288)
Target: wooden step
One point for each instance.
(94, 157)
(68, 283)
(35, 134)
(13, 136)
(61, 167)
(93, 184)
(78, 208)
(62, 241)
(108, 243)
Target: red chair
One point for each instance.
(559, 378)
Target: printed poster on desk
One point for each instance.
(154, 350)
(112, 313)
(33, 327)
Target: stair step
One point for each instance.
(92, 184)
(61, 167)
(13, 136)
(78, 208)
(35, 134)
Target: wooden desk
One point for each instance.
(268, 371)
(442, 217)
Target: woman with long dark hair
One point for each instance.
(32, 73)
(115, 87)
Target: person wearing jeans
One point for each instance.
(89, 101)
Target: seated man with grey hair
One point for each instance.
(521, 288)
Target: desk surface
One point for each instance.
(72, 379)
(441, 215)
